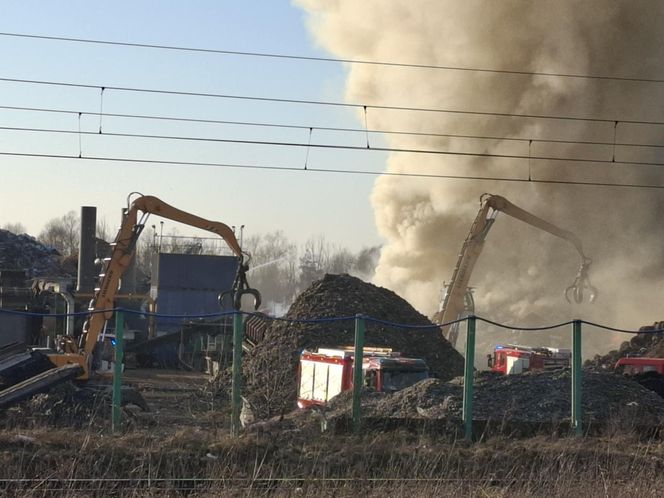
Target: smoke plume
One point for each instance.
(522, 272)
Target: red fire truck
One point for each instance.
(515, 359)
(327, 372)
(633, 365)
(649, 372)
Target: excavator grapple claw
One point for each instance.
(252, 292)
(581, 286)
(241, 288)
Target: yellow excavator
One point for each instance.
(74, 359)
(458, 298)
(124, 249)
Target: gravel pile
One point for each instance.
(23, 252)
(532, 397)
(270, 369)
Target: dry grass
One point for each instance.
(182, 449)
(196, 463)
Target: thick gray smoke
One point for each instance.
(522, 272)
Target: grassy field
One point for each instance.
(43, 462)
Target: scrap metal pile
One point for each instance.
(271, 368)
(535, 398)
(62, 405)
(27, 253)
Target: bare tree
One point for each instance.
(16, 228)
(273, 266)
(62, 233)
(320, 257)
(145, 249)
(104, 231)
(316, 253)
(340, 260)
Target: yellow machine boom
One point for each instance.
(123, 253)
(490, 205)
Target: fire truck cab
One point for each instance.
(514, 359)
(633, 365)
(327, 372)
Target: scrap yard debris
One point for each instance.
(271, 368)
(648, 344)
(26, 252)
(537, 397)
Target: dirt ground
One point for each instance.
(176, 398)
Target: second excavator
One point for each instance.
(458, 298)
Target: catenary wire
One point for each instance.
(331, 170)
(325, 102)
(333, 59)
(327, 128)
(335, 146)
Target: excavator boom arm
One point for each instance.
(153, 205)
(499, 203)
(453, 304)
(123, 253)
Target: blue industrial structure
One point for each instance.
(187, 284)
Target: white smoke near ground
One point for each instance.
(522, 272)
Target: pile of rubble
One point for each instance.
(24, 252)
(531, 398)
(70, 405)
(271, 368)
(62, 405)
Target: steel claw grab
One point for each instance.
(581, 285)
(240, 288)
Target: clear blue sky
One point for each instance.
(303, 204)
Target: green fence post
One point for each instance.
(357, 372)
(236, 396)
(577, 410)
(469, 368)
(116, 419)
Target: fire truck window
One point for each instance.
(395, 380)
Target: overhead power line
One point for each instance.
(329, 128)
(335, 60)
(335, 146)
(334, 170)
(325, 103)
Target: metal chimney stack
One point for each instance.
(86, 250)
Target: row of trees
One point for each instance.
(62, 233)
(279, 267)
